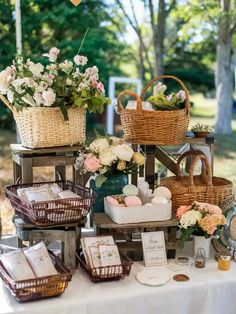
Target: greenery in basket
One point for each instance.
(161, 101)
(198, 127)
(107, 156)
(59, 84)
(200, 219)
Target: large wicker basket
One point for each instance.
(154, 127)
(202, 188)
(45, 126)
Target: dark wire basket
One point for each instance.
(108, 273)
(41, 287)
(53, 212)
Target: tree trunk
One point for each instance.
(224, 76)
(158, 38)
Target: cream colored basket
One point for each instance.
(45, 126)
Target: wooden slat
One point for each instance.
(166, 160)
(103, 221)
(43, 161)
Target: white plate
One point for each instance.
(152, 277)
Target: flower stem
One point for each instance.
(82, 42)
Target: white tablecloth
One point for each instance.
(209, 291)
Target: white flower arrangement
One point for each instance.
(109, 155)
(64, 84)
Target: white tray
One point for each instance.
(126, 215)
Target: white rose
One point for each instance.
(107, 158)
(116, 140)
(5, 78)
(29, 100)
(36, 68)
(17, 84)
(66, 66)
(190, 218)
(51, 67)
(49, 97)
(69, 82)
(123, 152)
(80, 60)
(99, 145)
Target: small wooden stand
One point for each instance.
(68, 234)
(123, 233)
(25, 159)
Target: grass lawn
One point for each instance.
(204, 111)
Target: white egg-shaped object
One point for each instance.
(162, 191)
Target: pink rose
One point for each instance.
(92, 163)
(52, 55)
(182, 210)
(94, 83)
(80, 60)
(38, 98)
(100, 87)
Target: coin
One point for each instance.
(181, 277)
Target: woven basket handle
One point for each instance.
(187, 102)
(130, 93)
(206, 168)
(6, 102)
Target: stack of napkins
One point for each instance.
(45, 192)
(29, 263)
(101, 252)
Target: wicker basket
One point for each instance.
(202, 188)
(38, 288)
(46, 127)
(154, 127)
(109, 273)
(56, 212)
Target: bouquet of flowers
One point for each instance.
(59, 84)
(200, 219)
(161, 101)
(109, 155)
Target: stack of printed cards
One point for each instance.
(100, 252)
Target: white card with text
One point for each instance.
(154, 249)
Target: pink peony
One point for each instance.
(92, 163)
(182, 210)
(94, 83)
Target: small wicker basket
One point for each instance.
(202, 188)
(45, 126)
(38, 288)
(108, 273)
(154, 127)
(55, 212)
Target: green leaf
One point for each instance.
(100, 179)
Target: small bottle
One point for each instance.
(200, 259)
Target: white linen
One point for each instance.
(209, 291)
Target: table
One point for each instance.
(208, 291)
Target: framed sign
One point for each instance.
(154, 249)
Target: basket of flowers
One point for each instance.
(49, 103)
(163, 122)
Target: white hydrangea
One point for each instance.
(123, 152)
(99, 145)
(190, 218)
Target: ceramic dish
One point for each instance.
(152, 278)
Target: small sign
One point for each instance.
(154, 249)
(76, 2)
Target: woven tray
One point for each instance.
(38, 288)
(56, 212)
(109, 273)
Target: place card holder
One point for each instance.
(107, 273)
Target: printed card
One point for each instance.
(154, 250)
(109, 255)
